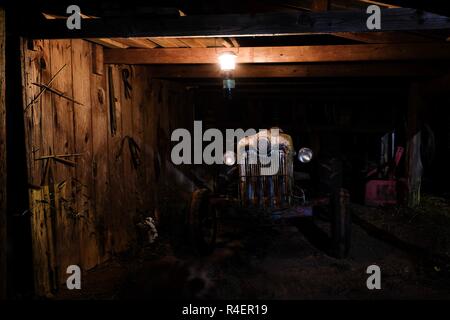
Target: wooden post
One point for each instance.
(2, 159)
(413, 159)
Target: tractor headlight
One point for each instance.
(305, 155)
(229, 158)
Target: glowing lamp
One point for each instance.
(227, 61)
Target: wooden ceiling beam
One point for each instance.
(366, 37)
(322, 70)
(240, 25)
(372, 37)
(293, 54)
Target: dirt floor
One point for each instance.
(256, 261)
(425, 228)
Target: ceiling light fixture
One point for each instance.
(227, 62)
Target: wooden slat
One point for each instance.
(43, 116)
(140, 101)
(168, 42)
(235, 42)
(38, 119)
(137, 42)
(100, 165)
(194, 42)
(117, 233)
(225, 43)
(264, 24)
(3, 172)
(81, 70)
(207, 42)
(43, 126)
(42, 226)
(153, 166)
(63, 112)
(368, 52)
(109, 43)
(129, 173)
(31, 73)
(381, 69)
(97, 60)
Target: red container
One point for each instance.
(381, 193)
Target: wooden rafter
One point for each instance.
(293, 54)
(357, 69)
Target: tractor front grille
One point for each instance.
(271, 190)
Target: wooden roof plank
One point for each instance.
(109, 43)
(241, 25)
(137, 42)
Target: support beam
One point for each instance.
(366, 52)
(315, 70)
(3, 217)
(414, 166)
(239, 25)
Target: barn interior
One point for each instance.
(86, 123)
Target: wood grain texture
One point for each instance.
(354, 69)
(45, 204)
(86, 215)
(117, 240)
(100, 164)
(336, 53)
(126, 74)
(140, 83)
(81, 71)
(64, 143)
(97, 59)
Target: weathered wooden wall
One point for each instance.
(2, 159)
(85, 213)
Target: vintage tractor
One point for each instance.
(250, 184)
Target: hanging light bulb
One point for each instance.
(227, 61)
